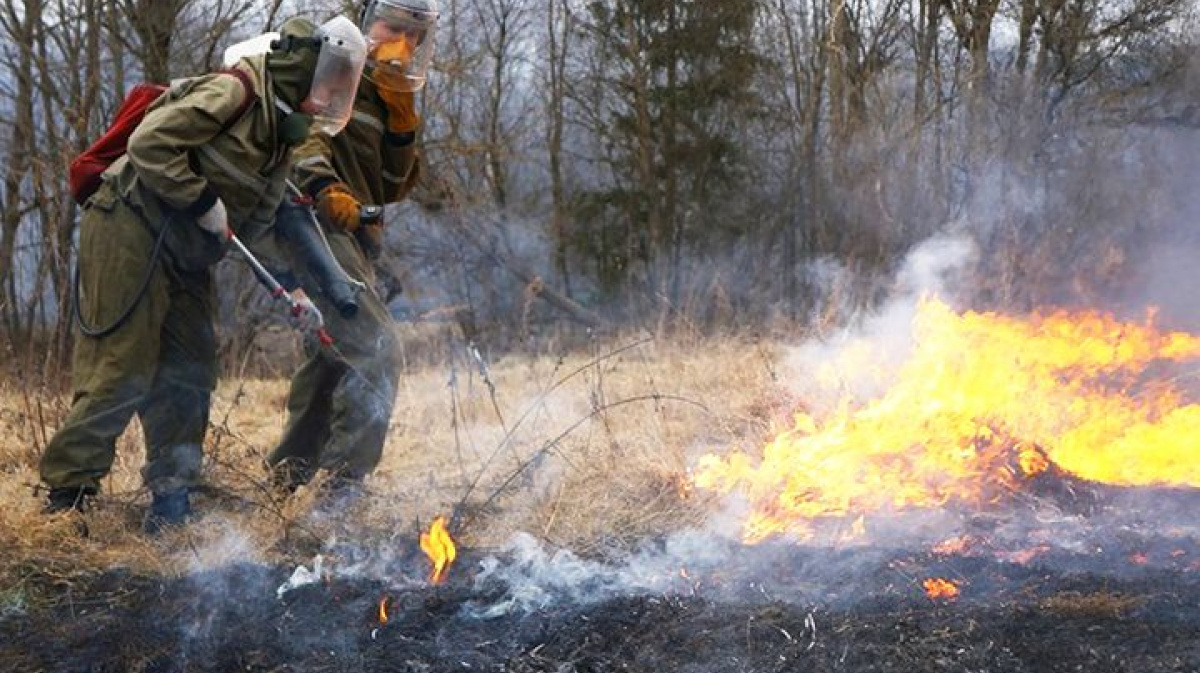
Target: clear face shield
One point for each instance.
(335, 79)
(400, 41)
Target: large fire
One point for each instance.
(982, 402)
(439, 547)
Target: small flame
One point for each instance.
(439, 547)
(937, 587)
(859, 527)
(1032, 460)
(1023, 556)
(954, 545)
(383, 614)
(1139, 558)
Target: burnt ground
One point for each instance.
(1054, 614)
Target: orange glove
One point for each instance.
(337, 207)
(390, 61)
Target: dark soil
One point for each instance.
(1010, 618)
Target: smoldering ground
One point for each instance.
(587, 618)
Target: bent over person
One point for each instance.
(210, 157)
(341, 403)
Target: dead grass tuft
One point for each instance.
(1091, 605)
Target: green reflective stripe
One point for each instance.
(312, 161)
(257, 181)
(369, 120)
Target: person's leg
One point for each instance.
(111, 373)
(294, 460)
(175, 412)
(365, 394)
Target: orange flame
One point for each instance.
(1023, 556)
(1032, 461)
(936, 587)
(954, 545)
(383, 614)
(439, 547)
(982, 402)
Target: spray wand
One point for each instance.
(277, 291)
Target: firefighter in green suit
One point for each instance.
(199, 166)
(341, 403)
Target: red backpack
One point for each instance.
(85, 173)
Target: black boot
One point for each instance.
(71, 499)
(67, 499)
(288, 476)
(167, 510)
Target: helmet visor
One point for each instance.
(400, 44)
(335, 79)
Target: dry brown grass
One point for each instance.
(640, 417)
(1091, 605)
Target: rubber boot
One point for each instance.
(73, 500)
(167, 510)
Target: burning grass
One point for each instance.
(942, 525)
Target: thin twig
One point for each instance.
(535, 405)
(549, 445)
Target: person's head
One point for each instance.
(315, 69)
(400, 38)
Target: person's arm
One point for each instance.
(313, 168)
(399, 151)
(158, 149)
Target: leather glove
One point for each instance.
(304, 316)
(391, 84)
(337, 207)
(402, 114)
(216, 221)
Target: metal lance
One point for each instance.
(277, 291)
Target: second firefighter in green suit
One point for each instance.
(341, 402)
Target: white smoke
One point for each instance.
(823, 372)
(536, 578)
(219, 542)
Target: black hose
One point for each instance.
(128, 310)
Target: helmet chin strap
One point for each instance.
(295, 43)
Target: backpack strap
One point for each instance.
(248, 96)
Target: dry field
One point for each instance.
(587, 451)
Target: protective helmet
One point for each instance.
(314, 69)
(400, 39)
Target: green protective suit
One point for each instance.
(341, 399)
(160, 363)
